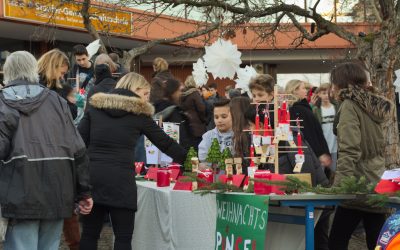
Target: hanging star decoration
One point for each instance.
(244, 76)
(93, 48)
(199, 73)
(397, 82)
(222, 59)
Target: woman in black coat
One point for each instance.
(311, 128)
(110, 129)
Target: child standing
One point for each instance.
(222, 131)
(311, 128)
(325, 111)
(262, 89)
(361, 150)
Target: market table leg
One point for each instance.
(309, 223)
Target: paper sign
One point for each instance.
(257, 140)
(152, 152)
(247, 232)
(172, 130)
(391, 174)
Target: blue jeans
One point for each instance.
(33, 234)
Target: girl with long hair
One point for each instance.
(361, 150)
(52, 66)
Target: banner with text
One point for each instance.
(241, 222)
(65, 13)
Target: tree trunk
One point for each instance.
(380, 57)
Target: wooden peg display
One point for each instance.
(195, 164)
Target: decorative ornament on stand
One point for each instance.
(93, 47)
(244, 76)
(222, 59)
(199, 73)
(397, 82)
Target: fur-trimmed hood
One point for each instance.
(121, 102)
(377, 107)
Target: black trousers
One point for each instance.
(122, 220)
(345, 222)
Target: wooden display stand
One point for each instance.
(281, 134)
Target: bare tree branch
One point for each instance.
(89, 26)
(375, 11)
(143, 49)
(304, 32)
(271, 10)
(386, 8)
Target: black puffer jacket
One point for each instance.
(43, 164)
(110, 128)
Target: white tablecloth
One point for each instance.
(169, 219)
(181, 220)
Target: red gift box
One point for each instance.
(151, 174)
(182, 185)
(236, 179)
(175, 170)
(263, 188)
(387, 186)
(207, 176)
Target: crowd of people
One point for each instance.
(69, 137)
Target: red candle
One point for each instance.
(252, 156)
(299, 150)
(257, 124)
(163, 178)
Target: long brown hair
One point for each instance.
(349, 73)
(238, 107)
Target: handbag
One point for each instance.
(3, 227)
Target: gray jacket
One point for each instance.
(43, 164)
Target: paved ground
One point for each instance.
(105, 243)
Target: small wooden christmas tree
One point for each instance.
(188, 164)
(226, 154)
(214, 153)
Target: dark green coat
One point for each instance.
(361, 144)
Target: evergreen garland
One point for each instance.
(348, 185)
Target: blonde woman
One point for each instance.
(52, 66)
(161, 75)
(311, 128)
(110, 129)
